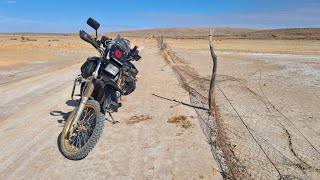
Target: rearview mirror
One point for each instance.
(93, 23)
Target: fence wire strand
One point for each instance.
(244, 147)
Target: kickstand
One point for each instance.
(113, 121)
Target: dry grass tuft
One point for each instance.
(24, 39)
(137, 119)
(180, 121)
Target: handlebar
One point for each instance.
(96, 44)
(105, 40)
(86, 37)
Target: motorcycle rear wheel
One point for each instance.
(76, 145)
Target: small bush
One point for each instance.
(23, 39)
(53, 40)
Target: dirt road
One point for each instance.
(155, 139)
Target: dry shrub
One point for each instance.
(24, 39)
(180, 121)
(137, 119)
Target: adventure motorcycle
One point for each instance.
(103, 80)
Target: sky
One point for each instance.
(68, 16)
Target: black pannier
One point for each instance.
(89, 66)
(129, 77)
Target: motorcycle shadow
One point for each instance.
(64, 115)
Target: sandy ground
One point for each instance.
(299, 47)
(155, 139)
(265, 126)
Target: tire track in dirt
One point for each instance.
(44, 92)
(26, 130)
(18, 94)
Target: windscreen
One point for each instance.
(122, 43)
(119, 49)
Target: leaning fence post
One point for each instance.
(161, 42)
(214, 68)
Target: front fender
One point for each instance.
(106, 93)
(111, 99)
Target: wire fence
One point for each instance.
(249, 137)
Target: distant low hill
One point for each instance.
(189, 32)
(203, 32)
(290, 33)
(225, 33)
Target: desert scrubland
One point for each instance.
(264, 124)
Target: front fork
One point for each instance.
(85, 96)
(87, 93)
(78, 81)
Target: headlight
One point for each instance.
(112, 69)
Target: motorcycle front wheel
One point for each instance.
(76, 145)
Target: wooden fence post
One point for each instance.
(214, 68)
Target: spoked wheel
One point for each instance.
(77, 144)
